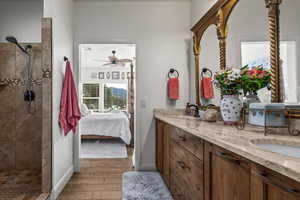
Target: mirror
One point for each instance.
(247, 42)
(289, 49)
(254, 46)
(255, 28)
(209, 59)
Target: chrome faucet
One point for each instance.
(196, 110)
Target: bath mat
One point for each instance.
(144, 186)
(108, 148)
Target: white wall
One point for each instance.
(160, 29)
(199, 8)
(21, 19)
(248, 22)
(61, 13)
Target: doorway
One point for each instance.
(107, 100)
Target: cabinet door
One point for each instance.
(159, 145)
(227, 175)
(266, 185)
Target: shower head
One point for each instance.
(13, 40)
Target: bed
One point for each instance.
(105, 125)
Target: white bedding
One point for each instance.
(106, 124)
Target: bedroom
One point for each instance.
(106, 91)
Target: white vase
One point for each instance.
(231, 107)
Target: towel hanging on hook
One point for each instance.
(173, 84)
(69, 105)
(207, 89)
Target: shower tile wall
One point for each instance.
(20, 132)
(47, 105)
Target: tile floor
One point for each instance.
(20, 185)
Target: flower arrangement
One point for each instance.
(229, 81)
(249, 80)
(254, 79)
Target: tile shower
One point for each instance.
(25, 137)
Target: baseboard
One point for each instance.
(147, 167)
(76, 169)
(58, 188)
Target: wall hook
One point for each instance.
(172, 71)
(204, 70)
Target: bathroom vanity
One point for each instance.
(200, 160)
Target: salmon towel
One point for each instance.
(173, 88)
(207, 88)
(69, 109)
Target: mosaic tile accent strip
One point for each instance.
(14, 82)
(47, 73)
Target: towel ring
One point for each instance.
(204, 70)
(172, 71)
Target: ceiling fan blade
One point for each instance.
(106, 64)
(125, 60)
(101, 60)
(122, 64)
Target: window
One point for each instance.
(91, 96)
(105, 97)
(115, 96)
(257, 53)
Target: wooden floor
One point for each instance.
(99, 179)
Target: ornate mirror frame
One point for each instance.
(218, 15)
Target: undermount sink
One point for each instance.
(283, 147)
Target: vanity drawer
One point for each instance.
(187, 168)
(190, 142)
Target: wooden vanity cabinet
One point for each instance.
(194, 169)
(227, 176)
(179, 159)
(269, 185)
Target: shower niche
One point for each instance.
(25, 117)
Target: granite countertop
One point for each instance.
(241, 142)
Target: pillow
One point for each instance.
(84, 110)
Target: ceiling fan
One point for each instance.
(114, 61)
